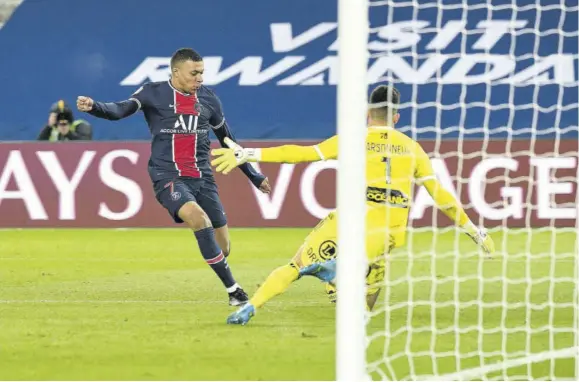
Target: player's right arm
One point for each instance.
(227, 159)
(111, 110)
(446, 202)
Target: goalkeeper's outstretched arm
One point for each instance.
(287, 154)
(227, 159)
(447, 203)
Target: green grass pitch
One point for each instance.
(142, 304)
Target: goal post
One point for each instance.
(353, 27)
(490, 89)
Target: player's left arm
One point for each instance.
(447, 203)
(223, 132)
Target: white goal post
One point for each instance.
(353, 28)
(490, 89)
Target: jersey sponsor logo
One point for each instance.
(393, 198)
(181, 131)
(415, 52)
(190, 125)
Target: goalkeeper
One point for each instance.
(393, 163)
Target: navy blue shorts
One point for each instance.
(174, 194)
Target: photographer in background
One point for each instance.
(63, 127)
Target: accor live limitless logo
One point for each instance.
(406, 49)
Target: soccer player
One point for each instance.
(393, 162)
(180, 113)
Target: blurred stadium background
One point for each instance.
(75, 298)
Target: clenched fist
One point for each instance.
(84, 103)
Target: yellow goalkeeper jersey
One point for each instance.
(393, 163)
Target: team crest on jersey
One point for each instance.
(327, 250)
(175, 195)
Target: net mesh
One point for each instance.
(489, 88)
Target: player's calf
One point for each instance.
(198, 220)
(222, 237)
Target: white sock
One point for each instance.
(233, 288)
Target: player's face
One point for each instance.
(189, 75)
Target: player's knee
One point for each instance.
(194, 216)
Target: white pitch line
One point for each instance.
(168, 302)
(543, 259)
(107, 302)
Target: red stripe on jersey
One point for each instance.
(185, 104)
(185, 154)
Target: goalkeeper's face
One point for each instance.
(188, 75)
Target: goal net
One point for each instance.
(490, 90)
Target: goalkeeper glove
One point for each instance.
(226, 159)
(480, 237)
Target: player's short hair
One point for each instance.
(384, 101)
(185, 54)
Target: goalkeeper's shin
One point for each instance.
(276, 283)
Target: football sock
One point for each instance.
(276, 283)
(213, 255)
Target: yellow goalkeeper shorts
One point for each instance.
(321, 244)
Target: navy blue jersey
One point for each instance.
(179, 124)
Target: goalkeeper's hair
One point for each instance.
(185, 54)
(384, 102)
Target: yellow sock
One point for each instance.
(276, 283)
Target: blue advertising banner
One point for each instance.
(505, 69)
